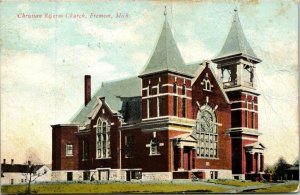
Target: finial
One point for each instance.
(165, 12)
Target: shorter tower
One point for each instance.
(237, 63)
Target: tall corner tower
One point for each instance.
(237, 63)
(167, 99)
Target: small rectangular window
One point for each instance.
(160, 90)
(183, 107)
(86, 175)
(160, 105)
(69, 150)
(253, 119)
(175, 105)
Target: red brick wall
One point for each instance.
(61, 136)
(166, 78)
(223, 112)
(92, 162)
(141, 157)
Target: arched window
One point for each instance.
(207, 85)
(154, 144)
(206, 133)
(102, 139)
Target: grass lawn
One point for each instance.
(113, 188)
(236, 183)
(278, 189)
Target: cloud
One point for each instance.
(25, 70)
(138, 61)
(23, 7)
(125, 34)
(194, 50)
(38, 90)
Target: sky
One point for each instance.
(44, 60)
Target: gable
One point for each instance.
(205, 72)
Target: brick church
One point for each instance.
(172, 121)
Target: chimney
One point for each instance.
(12, 161)
(87, 89)
(4, 161)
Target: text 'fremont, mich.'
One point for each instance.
(72, 16)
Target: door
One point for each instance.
(186, 159)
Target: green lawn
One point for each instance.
(236, 183)
(113, 188)
(278, 189)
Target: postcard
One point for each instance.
(149, 96)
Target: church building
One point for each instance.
(172, 121)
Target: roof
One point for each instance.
(124, 97)
(166, 55)
(256, 145)
(236, 42)
(113, 92)
(17, 168)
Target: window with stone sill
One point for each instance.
(154, 147)
(102, 138)
(69, 150)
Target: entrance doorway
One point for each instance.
(186, 159)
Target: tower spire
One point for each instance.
(236, 42)
(166, 55)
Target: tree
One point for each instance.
(279, 168)
(31, 174)
(269, 169)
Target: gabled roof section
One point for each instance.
(256, 145)
(166, 56)
(236, 42)
(112, 91)
(200, 68)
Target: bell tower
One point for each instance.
(237, 64)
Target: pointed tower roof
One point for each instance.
(166, 56)
(236, 42)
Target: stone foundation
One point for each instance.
(156, 176)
